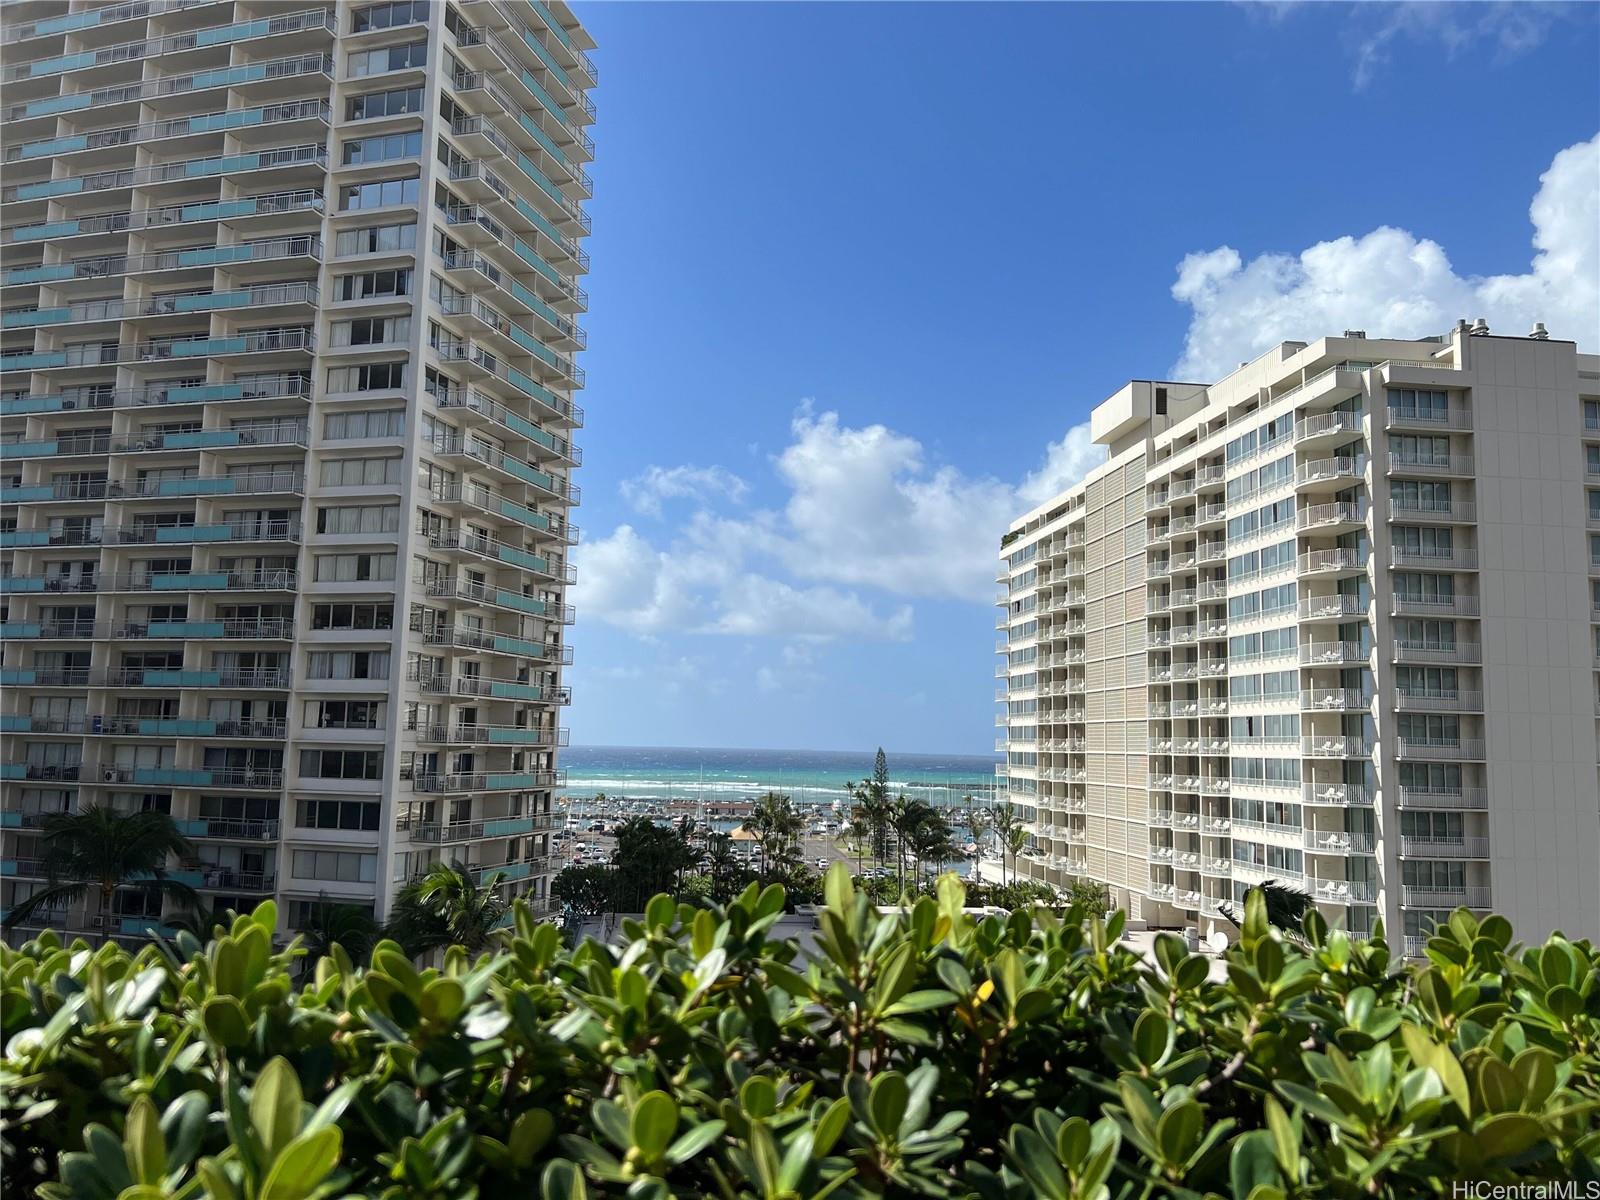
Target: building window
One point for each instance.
(341, 764)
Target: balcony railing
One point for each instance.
(1462, 847)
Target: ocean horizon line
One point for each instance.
(778, 750)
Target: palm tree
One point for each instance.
(1006, 824)
(931, 841)
(777, 827)
(334, 924)
(100, 849)
(723, 864)
(977, 823)
(871, 820)
(1285, 906)
(1015, 841)
(446, 906)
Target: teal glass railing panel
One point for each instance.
(511, 870)
(551, 23)
(526, 340)
(515, 737)
(50, 187)
(200, 439)
(515, 466)
(15, 723)
(37, 233)
(521, 424)
(544, 97)
(543, 138)
(522, 558)
(229, 75)
(25, 537)
(18, 405)
(172, 727)
(193, 828)
(197, 487)
(211, 122)
(218, 208)
(534, 44)
(527, 604)
(221, 166)
(187, 583)
(214, 301)
(514, 691)
(26, 449)
(211, 255)
(82, 20)
(12, 771)
(20, 629)
(167, 777)
(514, 645)
(204, 347)
(18, 676)
(535, 260)
(10, 820)
(21, 583)
(183, 678)
(526, 383)
(39, 316)
(148, 926)
(58, 104)
(539, 219)
(62, 145)
(508, 827)
(525, 515)
(210, 391)
(67, 62)
(44, 274)
(18, 495)
(18, 362)
(513, 779)
(207, 533)
(159, 629)
(229, 33)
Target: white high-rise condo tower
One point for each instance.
(1330, 621)
(288, 309)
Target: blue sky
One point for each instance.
(859, 271)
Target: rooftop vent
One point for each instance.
(1356, 333)
(1540, 333)
(1480, 328)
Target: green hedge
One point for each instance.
(922, 1054)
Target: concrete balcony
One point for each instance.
(1460, 653)
(1328, 654)
(1339, 517)
(1456, 604)
(252, 778)
(239, 122)
(1435, 466)
(435, 833)
(305, 161)
(1469, 895)
(1328, 428)
(1336, 795)
(1463, 847)
(1335, 746)
(204, 581)
(230, 829)
(1335, 700)
(488, 688)
(238, 531)
(272, 386)
(1335, 842)
(1336, 563)
(1432, 420)
(1324, 473)
(1341, 891)
(488, 781)
(1458, 750)
(1453, 701)
(1455, 512)
(1465, 799)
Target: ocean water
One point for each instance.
(808, 776)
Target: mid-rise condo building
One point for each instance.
(1329, 621)
(289, 305)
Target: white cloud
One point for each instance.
(865, 513)
(647, 491)
(1394, 284)
(1508, 29)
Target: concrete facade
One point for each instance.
(290, 309)
(1331, 621)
